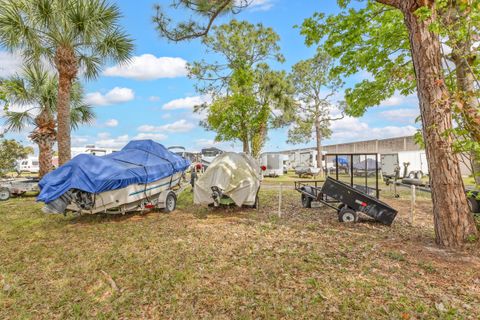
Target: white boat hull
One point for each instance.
(134, 197)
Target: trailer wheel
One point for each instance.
(347, 215)
(4, 194)
(256, 205)
(170, 202)
(411, 175)
(306, 201)
(419, 175)
(474, 205)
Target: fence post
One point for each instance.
(280, 201)
(412, 208)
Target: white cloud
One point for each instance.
(149, 67)
(79, 141)
(186, 103)
(116, 95)
(115, 143)
(153, 98)
(103, 135)
(398, 99)
(402, 115)
(166, 116)
(111, 123)
(10, 63)
(352, 129)
(177, 126)
(256, 5)
(152, 136)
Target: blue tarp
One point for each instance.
(141, 161)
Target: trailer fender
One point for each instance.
(165, 198)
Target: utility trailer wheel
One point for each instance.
(419, 175)
(347, 215)
(256, 205)
(474, 205)
(4, 194)
(170, 202)
(306, 201)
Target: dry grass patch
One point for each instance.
(233, 263)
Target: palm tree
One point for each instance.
(35, 91)
(72, 35)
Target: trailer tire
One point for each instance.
(4, 194)
(306, 201)
(170, 202)
(411, 175)
(474, 205)
(347, 215)
(419, 175)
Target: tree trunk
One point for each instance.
(246, 145)
(44, 136)
(318, 135)
(45, 157)
(67, 66)
(452, 218)
(470, 108)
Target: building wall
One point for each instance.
(383, 146)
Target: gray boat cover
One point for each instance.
(236, 174)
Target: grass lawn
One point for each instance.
(230, 264)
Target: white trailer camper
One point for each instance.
(405, 164)
(275, 163)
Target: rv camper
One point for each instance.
(275, 164)
(405, 164)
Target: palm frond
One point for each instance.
(81, 114)
(17, 121)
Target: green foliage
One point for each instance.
(248, 96)
(372, 40)
(36, 88)
(201, 10)
(10, 151)
(37, 28)
(315, 83)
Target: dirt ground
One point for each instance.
(231, 263)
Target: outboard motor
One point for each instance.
(59, 205)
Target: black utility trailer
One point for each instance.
(346, 199)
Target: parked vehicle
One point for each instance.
(307, 171)
(405, 164)
(346, 200)
(17, 187)
(232, 178)
(274, 164)
(143, 175)
(30, 165)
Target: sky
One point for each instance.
(152, 97)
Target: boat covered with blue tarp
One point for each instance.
(139, 162)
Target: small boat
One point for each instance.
(232, 178)
(143, 175)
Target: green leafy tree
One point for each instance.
(36, 91)
(206, 11)
(248, 97)
(72, 35)
(396, 41)
(379, 31)
(10, 152)
(315, 85)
